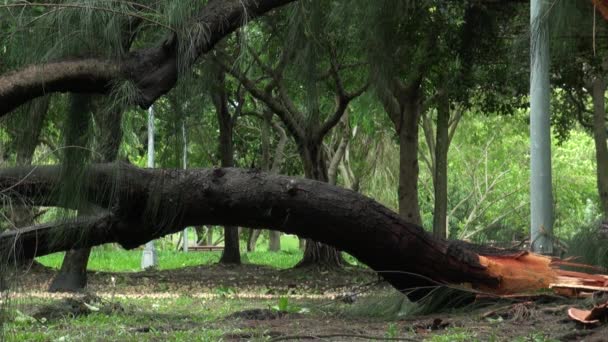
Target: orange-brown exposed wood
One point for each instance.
(528, 272)
(602, 6)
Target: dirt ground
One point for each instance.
(338, 302)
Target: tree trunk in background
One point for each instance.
(209, 236)
(231, 253)
(254, 234)
(273, 166)
(316, 253)
(274, 241)
(26, 140)
(407, 129)
(440, 178)
(72, 276)
(598, 92)
(265, 141)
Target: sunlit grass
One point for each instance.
(110, 259)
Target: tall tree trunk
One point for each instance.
(316, 253)
(440, 178)
(72, 276)
(231, 253)
(598, 92)
(407, 129)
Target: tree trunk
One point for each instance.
(26, 141)
(599, 136)
(403, 253)
(408, 156)
(209, 236)
(316, 253)
(274, 244)
(231, 253)
(254, 234)
(440, 178)
(72, 276)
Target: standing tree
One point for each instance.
(308, 126)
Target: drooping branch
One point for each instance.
(153, 71)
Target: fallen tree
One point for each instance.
(144, 204)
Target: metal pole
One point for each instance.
(185, 165)
(541, 199)
(149, 257)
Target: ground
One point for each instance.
(211, 302)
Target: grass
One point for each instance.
(113, 259)
(181, 319)
(110, 259)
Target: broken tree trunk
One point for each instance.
(150, 203)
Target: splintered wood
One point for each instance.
(602, 6)
(528, 272)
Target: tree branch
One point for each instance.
(148, 203)
(153, 71)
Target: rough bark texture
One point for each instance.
(407, 130)
(598, 92)
(402, 252)
(440, 178)
(153, 70)
(231, 253)
(72, 276)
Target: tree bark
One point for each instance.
(404, 254)
(209, 236)
(274, 241)
(440, 178)
(231, 253)
(25, 142)
(598, 91)
(150, 203)
(153, 70)
(254, 234)
(316, 253)
(407, 129)
(72, 276)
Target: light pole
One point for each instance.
(541, 198)
(149, 257)
(185, 165)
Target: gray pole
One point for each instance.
(149, 257)
(541, 199)
(185, 165)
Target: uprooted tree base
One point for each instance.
(144, 204)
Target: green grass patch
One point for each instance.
(129, 261)
(113, 259)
